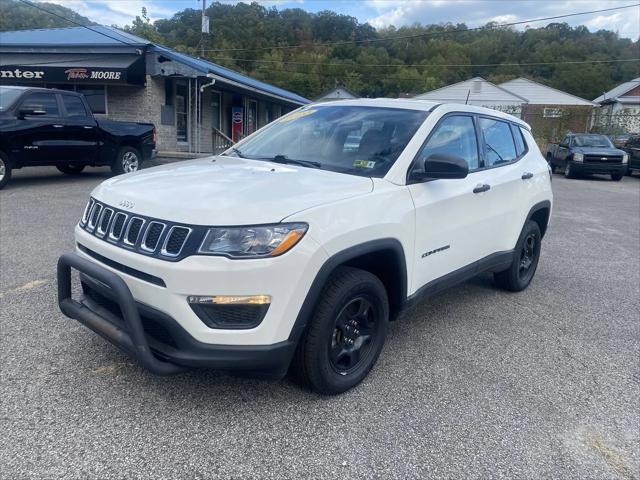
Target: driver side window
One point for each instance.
(454, 136)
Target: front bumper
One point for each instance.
(602, 168)
(155, 339)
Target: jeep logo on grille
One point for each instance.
(126, 204)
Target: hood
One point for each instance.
(228, 191)
(604, 151)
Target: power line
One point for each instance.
(451, 65)
(38, 7)
(425, 34)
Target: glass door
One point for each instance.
(182, 114)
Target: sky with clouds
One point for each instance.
(381, 13)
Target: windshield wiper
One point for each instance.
(293, 161)
(237, 152)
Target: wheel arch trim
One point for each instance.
(340, 258)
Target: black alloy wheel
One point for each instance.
(528, 256)
(525, 260)
(355, 330)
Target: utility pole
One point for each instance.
(205, 27)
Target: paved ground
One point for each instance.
(475, 383)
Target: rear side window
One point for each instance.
(517, 136)
(45, 100)
(74, 106)
(454, 136)
(498, 140)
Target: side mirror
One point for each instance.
(31, 110)
(444, 166)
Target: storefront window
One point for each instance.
(252, 116)
(215, 110)
(182, 98)
(96, 97)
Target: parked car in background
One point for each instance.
(296, 247)
(619, 140)
(41, 126)
(632, 147)
(587, 153)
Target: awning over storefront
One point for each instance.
(73, 68)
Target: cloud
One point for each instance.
(479, 12)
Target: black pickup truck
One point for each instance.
(587, 153)
(40, 126)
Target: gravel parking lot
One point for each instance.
(474, 383)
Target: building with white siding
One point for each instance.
(480, 92)
(619, 110)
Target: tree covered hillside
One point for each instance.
(246, 37)
(15, 15)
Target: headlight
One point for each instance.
(253, 242)
(625, 158)
(578, 157)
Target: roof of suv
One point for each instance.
(38, 89)
(418, 104)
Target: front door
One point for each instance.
(39, 139)
(453, 223)
(80, 130)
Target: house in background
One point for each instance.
(619, 110)
(480, 92)
(339, 93)
(551, 112)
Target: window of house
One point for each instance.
(74, 106)
(498, 140)
(550, 112)
(47, 101)
(454, 136)
(216, 110)
(96, 96)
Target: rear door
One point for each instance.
(39, 139)
(509, 177)
(81, 135)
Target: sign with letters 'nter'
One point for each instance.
(133, 74)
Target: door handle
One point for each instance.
(527, 175)
(58, 126)
(88, 126)
(481, 187)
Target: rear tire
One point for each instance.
(5, 170)
(71, 169)
(128, 160)
(525, 260)
(617, 177)
(346, 333)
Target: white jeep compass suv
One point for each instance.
(295, 248)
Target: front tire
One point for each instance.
(128, 160)
(346, 334)
(616, 177)
(5, 170)
(568, 171)
(71, 169)
(525, 260)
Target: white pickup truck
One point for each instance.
(293, 250)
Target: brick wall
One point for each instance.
(144, 104)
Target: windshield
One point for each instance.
(591, 141)
(8, 96)
(358, 140)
